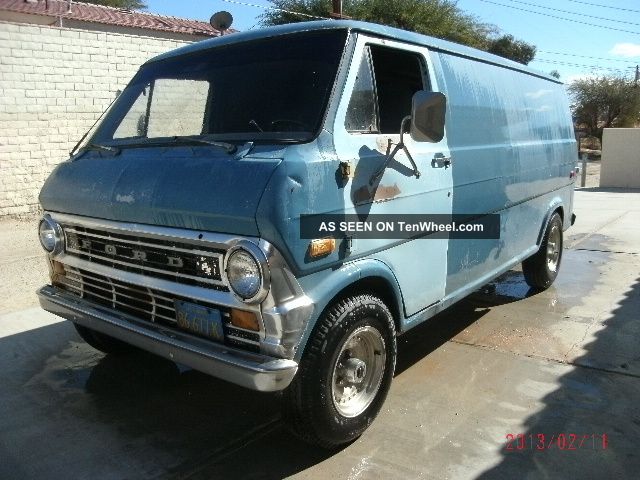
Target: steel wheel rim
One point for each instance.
(358, 371)
(554, 244)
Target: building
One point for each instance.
(61, 65)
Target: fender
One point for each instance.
(555, 204)
(325, 286)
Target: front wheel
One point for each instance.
(344, 374)
(541, 269)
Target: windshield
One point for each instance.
(271, 89)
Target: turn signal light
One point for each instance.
(57, 270)
(246, 320)
(322, 246)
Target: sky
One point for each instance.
(578, 38)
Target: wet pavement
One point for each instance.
(504, 361)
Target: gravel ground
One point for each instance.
(22, 263)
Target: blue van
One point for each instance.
(176, 227)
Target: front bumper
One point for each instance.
(250, 370)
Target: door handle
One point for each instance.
(440, 161)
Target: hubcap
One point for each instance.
(358, 371)
(554, 244)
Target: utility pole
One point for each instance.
(337, 10)
(337, 7)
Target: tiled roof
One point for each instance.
(108, 15)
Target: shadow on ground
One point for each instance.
(598, 397)
(68, 412)
(608, 189)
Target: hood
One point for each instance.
(200, 187)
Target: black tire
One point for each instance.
(541, 269)
(102, 342)
(310, 409)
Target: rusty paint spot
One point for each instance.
(380, 193)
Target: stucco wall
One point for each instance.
(620, 158)
(54, 83)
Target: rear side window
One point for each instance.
(386, 81)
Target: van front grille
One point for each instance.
(153, 257)
(143, 303)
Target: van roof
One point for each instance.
(371, 28)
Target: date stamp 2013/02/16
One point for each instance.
(558, 441)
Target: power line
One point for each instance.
(508, 6)
(582, 65)
(605, 6)
(276, 8)
(587, 56)
(573, 13)
(560, 18)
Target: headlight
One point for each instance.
(49, 236)
(247, 273)
(243, 273)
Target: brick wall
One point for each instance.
(54, 83)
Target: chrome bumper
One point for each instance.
(250, 370)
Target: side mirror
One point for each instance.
(427, 116)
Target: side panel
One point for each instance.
(512, 145)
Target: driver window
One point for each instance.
(386, 81)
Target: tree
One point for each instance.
(126, 4)
(508, 47)
(438, 18)
(605, 102)
(555, 74)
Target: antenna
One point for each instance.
(221, 21)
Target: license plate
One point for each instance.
(200, 320)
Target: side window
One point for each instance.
(385, 94)
(361, 112)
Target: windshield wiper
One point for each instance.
(229, 147)
(253, 123)
(103, 148)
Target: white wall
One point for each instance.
(54, 83)
(620, 158)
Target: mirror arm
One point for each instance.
(403, 128)
(399, 145)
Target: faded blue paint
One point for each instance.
(200, 187)
(508, 131)
(529, 150)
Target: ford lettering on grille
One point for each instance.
(180, 262)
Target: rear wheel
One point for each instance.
(541, 269)
(103, 342)
(344, 374)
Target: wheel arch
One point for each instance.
(366, 276)
(555, 207)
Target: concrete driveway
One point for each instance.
(564, 363)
